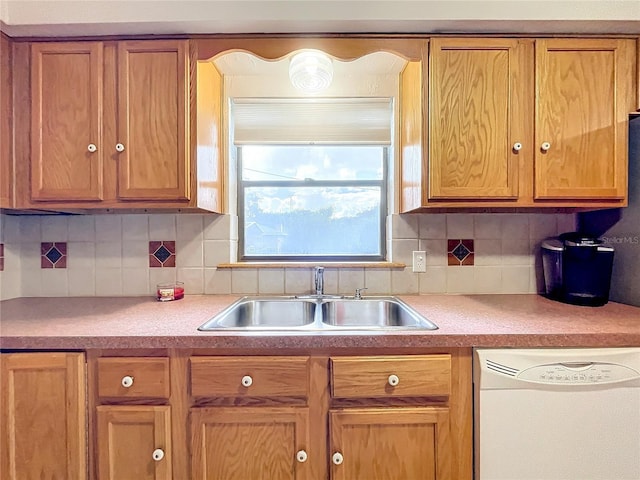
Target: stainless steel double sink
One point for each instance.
(317, 313)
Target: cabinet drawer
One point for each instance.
(391, 376)
(133, 377)
(254, 377)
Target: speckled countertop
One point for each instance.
(463, 321)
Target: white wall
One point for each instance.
(108, 256)
(101, 17)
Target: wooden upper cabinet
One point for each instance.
(43, 416)
(390, 443)
(412, 121)
(113, 125)
(153, 120)
(583, 98)
(134, 442)
(6, 117)
(209, 138)
(477, 120)
(66, 121)
(522, 123)
(638, 74)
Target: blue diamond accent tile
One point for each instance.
(461, 252)
(53, 255)
(162, 254)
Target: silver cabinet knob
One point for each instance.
(247, 381)
(158, 454)
(119, 147)
(337, 458)
(545, 146)
(301, 456)
(127, 381)
(517, 147)
(393, 380)
(92, 148)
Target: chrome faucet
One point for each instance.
(358, 295)
(318, 276)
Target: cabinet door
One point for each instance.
(583, 94)
(43, 416)
(390, 444)
(6, 120)
(66, 121)
(134, 442)
(153, 122)
(240, 443)
(476, 118)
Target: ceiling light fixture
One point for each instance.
(311, 71)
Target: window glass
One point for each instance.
(310, 202)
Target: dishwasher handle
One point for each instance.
(577, 366)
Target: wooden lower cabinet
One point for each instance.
(134, 442)
(43, 430)
(242, 443)
(164, 415)
(390, 417)
(390, 443)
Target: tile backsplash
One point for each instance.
(118, 255)
(162, 254)
(460, 252)
(53, 255)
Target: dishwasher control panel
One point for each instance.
(578, 373)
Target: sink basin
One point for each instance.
(313, 313)
(264, 313)
(373, 313)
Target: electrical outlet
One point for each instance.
(419, 261)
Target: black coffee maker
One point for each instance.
(577, 269)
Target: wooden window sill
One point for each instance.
(390, 265)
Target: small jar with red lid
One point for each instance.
(165, 292)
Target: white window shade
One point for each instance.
(329, 121)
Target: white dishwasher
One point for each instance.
(557, 414)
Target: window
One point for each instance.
(312, 178)
(312, 202)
